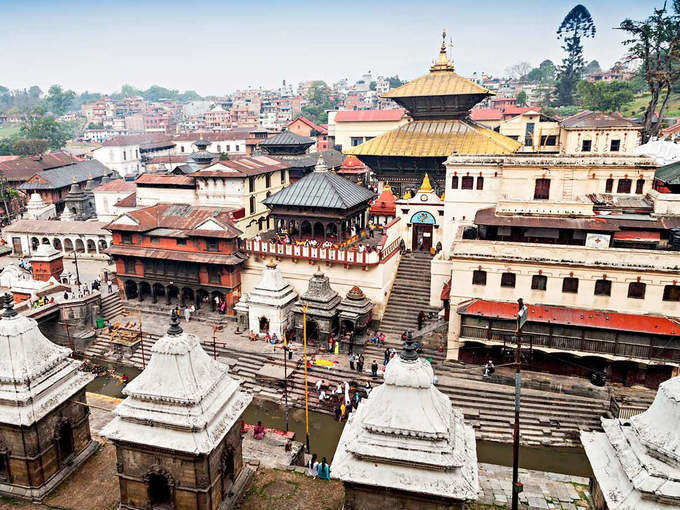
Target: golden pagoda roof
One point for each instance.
(440, 81)
(437, 138)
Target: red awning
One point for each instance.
(637, 235)
(654, 325)
(446, 291)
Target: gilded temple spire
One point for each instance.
(442, 63)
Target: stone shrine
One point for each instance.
(355, 313)
(406, 446)
(78, 204)
(636, 461)
(271, 303)
(322, 303)
(46, 263)
(37, 209)
(44, 418)
(177, 434)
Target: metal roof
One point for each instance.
(47, 227)
(588, 119)
(332, 158)
(287, 138)
(438, 83)
(321, 189)
(669, 174)
(437, 138)
(60, 177)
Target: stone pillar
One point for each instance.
(154, 297)
(167, 295)
(453, 343)
(139, 292)
(197, 299)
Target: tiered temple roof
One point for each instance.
(36, 375)
(355, 305)
(636, 462)
(407, 436)
(183, 401)
(321, 299)
(272, 290)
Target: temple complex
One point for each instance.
(44, 418)
(270, 303)
(406, 446)
(293, 149)
(636, 461)
(321, 303)
(79, 203)
(439, 104)
(422, 217)
(321, 206)
(177, 434)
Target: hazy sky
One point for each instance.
(214, 47)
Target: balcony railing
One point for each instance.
(577, 344)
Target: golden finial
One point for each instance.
(387, 187)
(426, 186)
(442, 63)
(271, 264)
(407, 195)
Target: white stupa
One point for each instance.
(271, 302)
(636, 461)
(37, 209)
(407, 437)
(184, 400)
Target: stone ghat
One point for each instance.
(548, 419)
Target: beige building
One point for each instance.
(354, 127)
(598, 133)
(583, 240)
(538, 132)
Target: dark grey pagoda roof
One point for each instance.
(287, 138)
(63, 176)
(669, 174)
(321, 299)
(321, 189)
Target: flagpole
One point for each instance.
(304, 338)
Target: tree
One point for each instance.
(319, 101)
(521, 98)
(604, 96)
(578, 24)
(655, 41)
(395, 82)
(373, 85)
(30, 146)
(519, 71)
(544, 73)
(58, 100)
(46, 128)
(592, 68)
(130, 91)
(6, 146)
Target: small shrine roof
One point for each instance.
(288, 138)
(36, 375)
(184, 400)
(386, 204)
(272, 289)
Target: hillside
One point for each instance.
(636, 107)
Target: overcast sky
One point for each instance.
(215, 47)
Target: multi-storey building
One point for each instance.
(179, 253)
(584, 240)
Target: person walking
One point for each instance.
(338, 412)
(421, 319)
(187, 313)
(352, 358)
(386, 356)
(323, 470)
(360, 363)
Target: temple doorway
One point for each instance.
(64, 440)
(422, 237)
(264, 325)
(160, 497)
(312, 331)
(130, 289)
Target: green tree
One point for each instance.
(46, 128)
(373, 85)
(6, 146)
(319, 101)
(521, 98)
(604, 96)
(30, 146)
(655, 42)
(592, 68)
(395, 82)
(58, 100)
(130, 91)
(578, 24)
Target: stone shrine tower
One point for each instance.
(636, 461)
(322, 309)
(44, 418)
(177, 434)
(46, 263)
(271, 303)
(78, 204)
(406, 446)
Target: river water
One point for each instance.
(325, 431)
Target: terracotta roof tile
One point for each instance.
(370, 115)
(117, 185)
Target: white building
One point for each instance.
(124, 153)
(406, 446)
(37, 209)
(107, 195)
(223, 142)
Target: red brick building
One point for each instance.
(304, 127)
(179, 253)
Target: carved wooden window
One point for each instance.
(454, 182)
(542, 189)
(508, 279)
(479, 277)
(624, 186)
(603, 288)
(636, 290)
(539, 282)
(639, 186)
(671, 293)
(467, 182)
(570, 285)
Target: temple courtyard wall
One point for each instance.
(375, 280)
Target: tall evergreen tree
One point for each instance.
(576, 25)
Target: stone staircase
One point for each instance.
(410, 294)
(112, 306)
